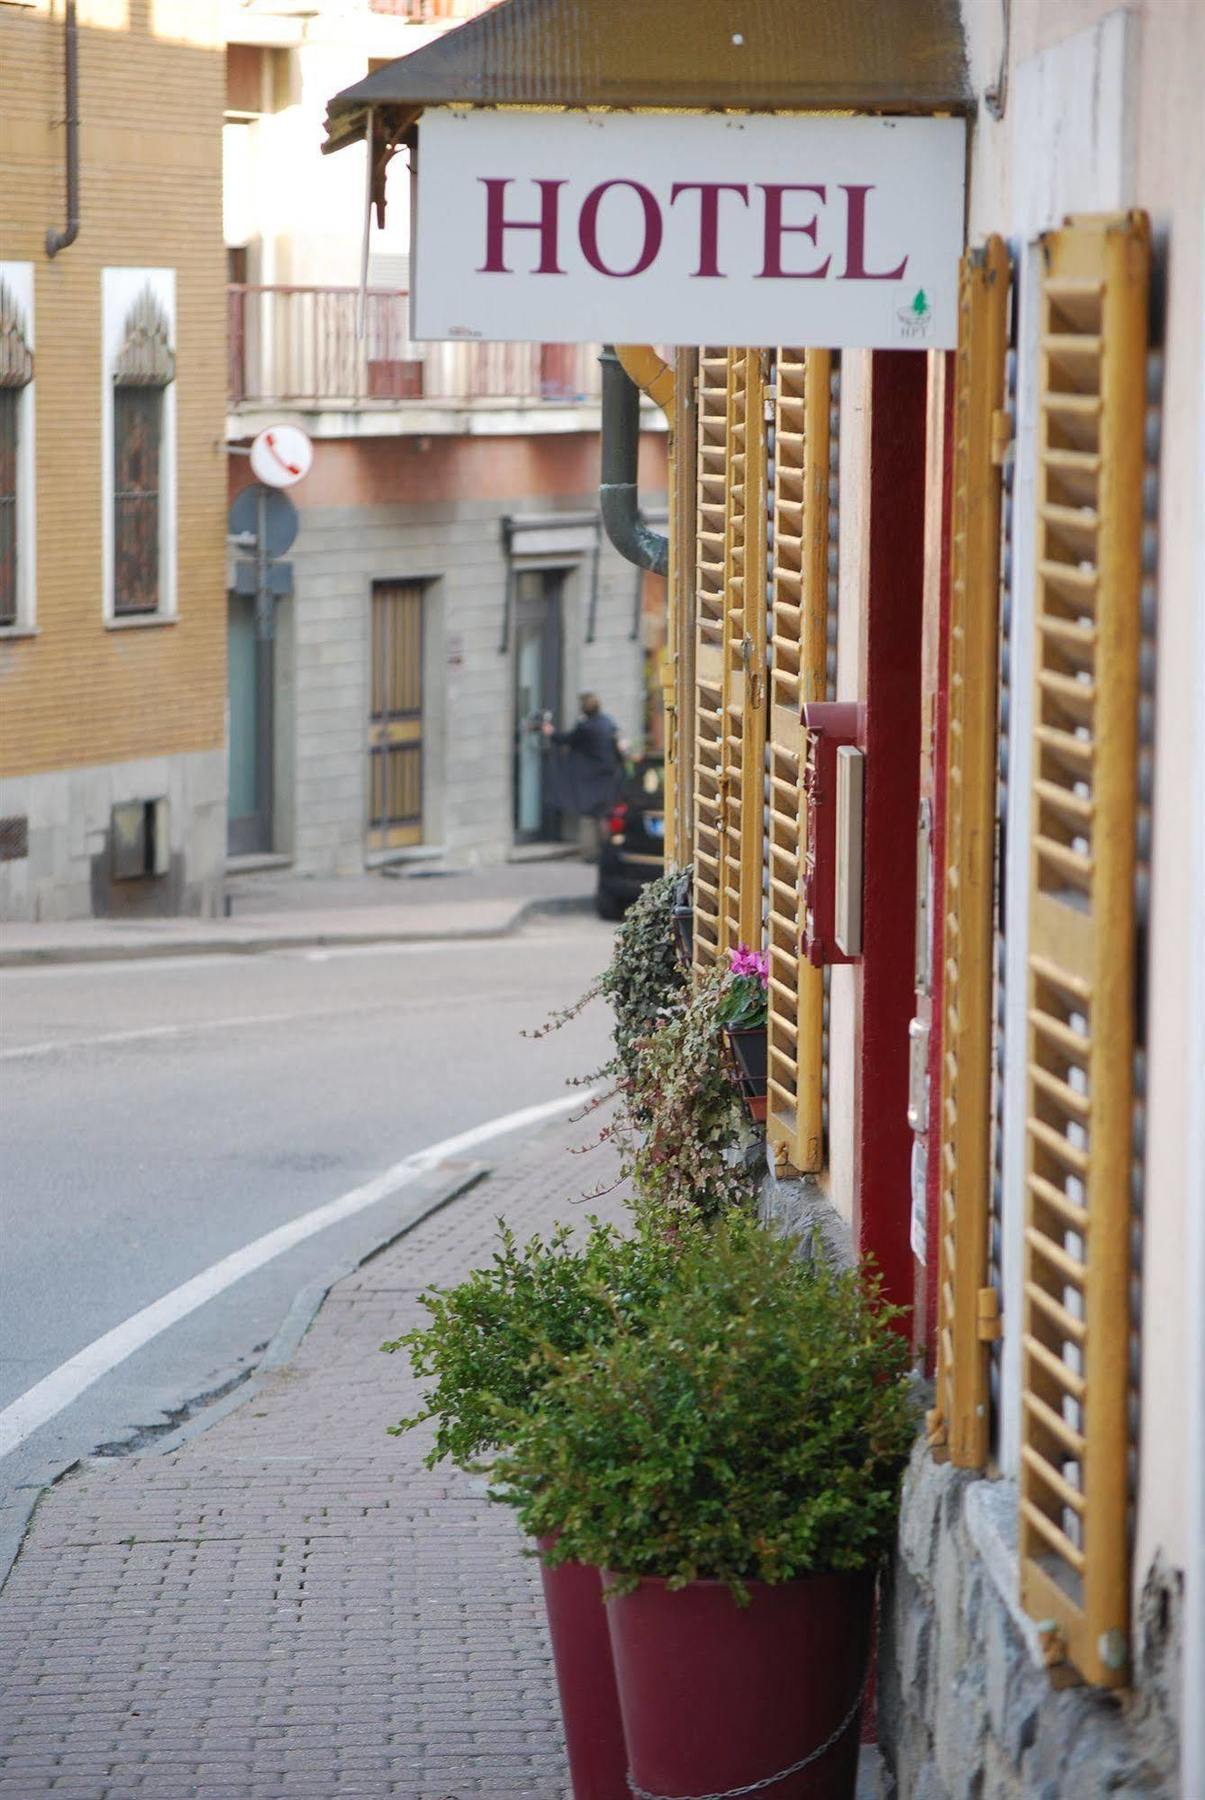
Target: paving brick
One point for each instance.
(303, 1608)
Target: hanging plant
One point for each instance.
(695, 1150)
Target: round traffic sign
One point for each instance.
(281, 455)
(280, 518)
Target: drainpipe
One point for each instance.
(60, 240)
(618, 502)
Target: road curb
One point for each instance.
(34, 956)
(447, 1182)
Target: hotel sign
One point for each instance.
(580, 227)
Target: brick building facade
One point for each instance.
(112, 687)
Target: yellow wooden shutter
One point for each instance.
(710, 624)
(799, 621)
(1074, 1487)
(966, 1311)
(744, 654)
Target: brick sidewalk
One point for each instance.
(290, 1604)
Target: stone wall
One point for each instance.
(966, 1709)
(66, 871)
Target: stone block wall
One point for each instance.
(966, 1709)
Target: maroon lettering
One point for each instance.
(855, 240)
(497, 224)
(587, 228)
(709, 217)
(775, 229)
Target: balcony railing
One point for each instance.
(300, 347)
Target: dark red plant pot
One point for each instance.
(585, 1679)
(718, 1696)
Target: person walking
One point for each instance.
(592, 768)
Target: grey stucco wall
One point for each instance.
(456, 549)
(68, 871)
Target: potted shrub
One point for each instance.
(488, 1350)
(735, 1468)
(742, 1013)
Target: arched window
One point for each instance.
(143, 370)
(16, 375)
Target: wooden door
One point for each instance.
(395, 722)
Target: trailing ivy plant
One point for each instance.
(755, 1427)
(644, 981)
(694, 1151)
(492, 1340)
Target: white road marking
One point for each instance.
(66, 1383)
(50, 1045)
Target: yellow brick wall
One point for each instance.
(152, 80)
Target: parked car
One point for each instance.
(631, 849)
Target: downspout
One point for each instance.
(618, 501)
(60, 240)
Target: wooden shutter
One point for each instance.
(1074, 1486)
(798, 665)
(710, 627)
(967, 1314)
(744, 653)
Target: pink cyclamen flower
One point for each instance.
(750, 962)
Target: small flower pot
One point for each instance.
(716, 1695)
(585, 1679)
(748, 1053)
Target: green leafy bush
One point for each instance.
(696, 1152)
(756, 1427)
(494, 1338)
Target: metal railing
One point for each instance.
(299, 346)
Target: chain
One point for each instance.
(767, 1781)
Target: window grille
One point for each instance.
(710, 628)
(144, 368)
(1082, 960)
(16, 372)
(967, 1314)
(798, 673)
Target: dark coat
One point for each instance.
(588, 765)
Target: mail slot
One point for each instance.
(832, 867)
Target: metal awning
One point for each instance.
(894, 56)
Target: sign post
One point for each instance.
(262, 515)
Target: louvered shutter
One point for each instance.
(710, 624)
(798, 659)
(744, 654)
(967, 1316)
(1074, 1487)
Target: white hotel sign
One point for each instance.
(693, 229)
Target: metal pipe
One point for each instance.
(60, 240)
(618, 499)
(651, 373)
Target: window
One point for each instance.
(16, 447)
(140, 428)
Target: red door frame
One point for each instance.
(891, 628)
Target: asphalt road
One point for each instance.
(158, 1116)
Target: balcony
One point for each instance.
(298, 350)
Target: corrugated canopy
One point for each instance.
(805, 55)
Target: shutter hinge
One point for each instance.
(989, 1325)
(1002, 436)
